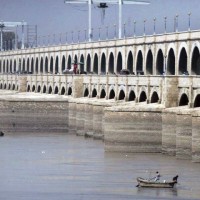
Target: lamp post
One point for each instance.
(165, 18)
(106, 32)
(124, 30)
(78, 36)
(2, 27)
(176, 22)
(154, 26)
(66, 37)
(189, 15)
(144, 26)
(115, 31)
(72, 36)
(134, 28)
(99, 33)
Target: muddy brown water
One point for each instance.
(67, 167)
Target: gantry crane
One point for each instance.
(103, 4)
(11, 24)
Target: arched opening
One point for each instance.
(41, 65)
(13, 87)
(5, 86)
(86, 93)
(39, 89)
(121, 95)
(119, 62)
(10, 66)
(1, 86)
(183, 62)
(36, 66)
(32, 65)
(33, 88)
(28, 88)
(51, 65)
(154, 98)
(69, 91)
(95, 64)
(44, 89)
(195, 62)
(82, 63)
(56, 90)
(159, 63)
(46, 65)
(88, 63)
(94, 93)
(184, 100)
(63, 63)
(149, 63)
(132, 96)
(139, 64)
(63, 91)
(197, 101)
(50, 90)
(103, 64)
(111, 64)
(28, 65)
(130, 62)
(15, 66)
(103, 94)
(9, 87)
(69, 62)
(171, 62)
(143, 97)
(19, 66)
(56, 65)
(112, 94)
(23, 65)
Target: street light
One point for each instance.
(144, 26)
(154, 25)
(134, 28)
(165, 18)
(189, 14)
(115, 31)
(176, 22)
(124, 30)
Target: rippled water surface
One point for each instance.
(67, 167)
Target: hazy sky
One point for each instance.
(53, 16)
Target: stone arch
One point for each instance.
(182, 64)
(33, 88)
(19, 66)
(41, 65)
(86, 92)
(39, 89)
(131, 96)
(103, 63)
(130, 62)
(56, 90)
(1, 86)
(88, 63)
(102, 94)
(112, 94)
(111, 63)
(94, 93)
(159, 62)
(139, 63)
(69, 62)
(28, 65)
(46, 64)
(82, 61)
(10, 66)
(171, 68)
(28, 88)
(154, 97)
(9, 86)
(149, 63)
(13, 87)
(44, 89)
(183, 100)
(32, 65)
(143, 96)
(23, 65)
(57, 65)
(95, 64)
(50, 90)
(75, 59)
(36, 66)
(197, 101)
(63, 63)
(119, 62)
(69, 92)
(195, 68)
(121, 95)
(51, 65)
(5, 86)
(63, 91)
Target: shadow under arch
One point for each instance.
(131, 96)
(103, 94)
(63, 91)
(86, 92)
(94, 93)
(112, 94)
(121, 95)
(197, 101)
(154, 97)
(69, 91)
(44, 89)
(143, 97)
(183, 100)
(56, 90)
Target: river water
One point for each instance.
(67, 167)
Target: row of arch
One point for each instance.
(151, 63)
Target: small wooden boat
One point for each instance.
(156, 184)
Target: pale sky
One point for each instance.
(53, 16)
